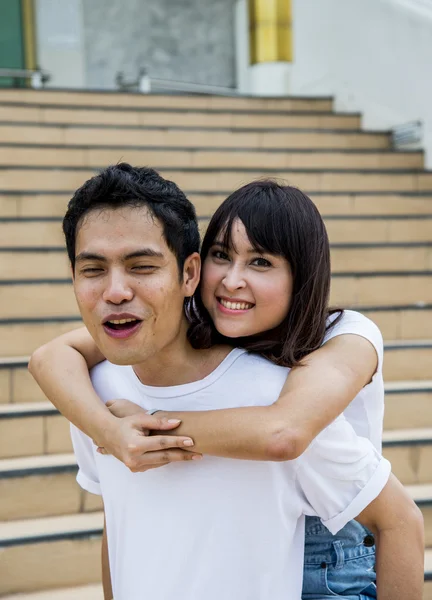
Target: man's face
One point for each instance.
(127, 284)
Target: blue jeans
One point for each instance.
(342, 565)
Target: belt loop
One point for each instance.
(340, 555)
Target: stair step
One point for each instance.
(348, 233)
(48, 298)
(33, 203)
(116, 99)
(398, 437)
(42, 486)
(54, 552)
(86, 592)
(17, 533)
(66, 547)
(184, 117)
(16, 383)
(72, 135)
(37, 428)
(193, 179)
(64, 155)
(41, 261)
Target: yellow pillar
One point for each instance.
(28, 25)
(270, 46)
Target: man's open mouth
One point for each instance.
(122, 324)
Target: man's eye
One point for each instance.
(92, 271)
(144, 268)
(261, 262)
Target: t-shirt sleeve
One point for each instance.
(84, 449)
(339, 475)
(355, 323)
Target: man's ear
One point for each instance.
(191, 274)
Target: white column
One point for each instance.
(264, 47)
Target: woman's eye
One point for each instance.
(261, 262)
(220, 255)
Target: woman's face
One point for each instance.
(245, 292)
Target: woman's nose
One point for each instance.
(234, 279)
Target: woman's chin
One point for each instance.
(234, 332)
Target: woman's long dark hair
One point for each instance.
(282, 220)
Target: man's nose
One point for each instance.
(234, 279)
(118, 289)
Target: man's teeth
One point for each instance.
(122, 321)
(235, 305)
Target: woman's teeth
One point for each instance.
(235, 305)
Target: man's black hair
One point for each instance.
(123, 185)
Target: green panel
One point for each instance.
(11, 39)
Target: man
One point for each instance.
(221, 528)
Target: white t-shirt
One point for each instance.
(222, 528)
(366, 411)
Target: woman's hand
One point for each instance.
(129, 440)
(124, 408)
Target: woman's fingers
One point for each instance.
(162, 457)
(124, 408)
(157, 458)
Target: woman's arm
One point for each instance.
(312, 397)
(399, 531)
(61, 368)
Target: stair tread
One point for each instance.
(392, 386)
(37, 461)
(26, 407)
(87, 592)
(420, 491)
(29, 528)
(14, 360)
(396, 435)
(388, 344)
(428, 560)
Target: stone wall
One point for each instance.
(187, 40)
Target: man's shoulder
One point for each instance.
(105, 374)
(259, 366)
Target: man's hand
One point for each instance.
(129, 441)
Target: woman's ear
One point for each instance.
(191, 273)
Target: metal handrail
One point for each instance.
(146, 84)
(37, 77)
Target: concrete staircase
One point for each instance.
(377, 204)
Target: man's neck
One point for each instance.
(179, 364)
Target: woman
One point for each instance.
(336, 360)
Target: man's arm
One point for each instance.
(106, 576)
(397, 524)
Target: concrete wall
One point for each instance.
(374, 56)
(59, 42)
(188, 40)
